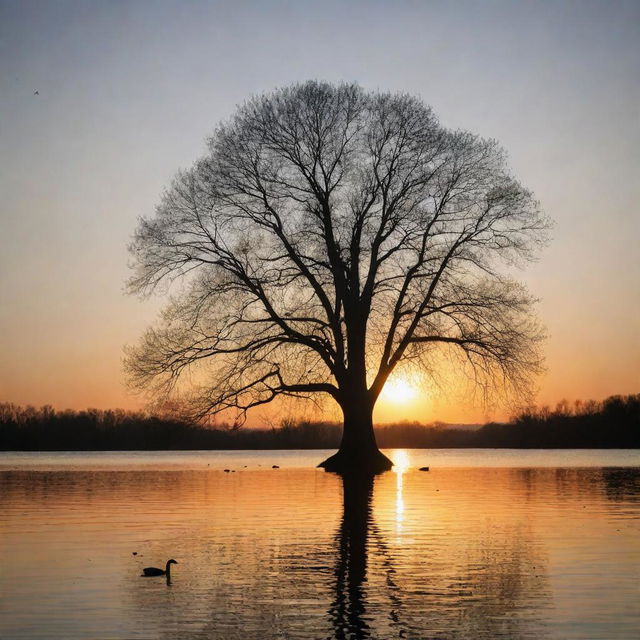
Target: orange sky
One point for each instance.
(127, 92)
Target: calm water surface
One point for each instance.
(486, 545)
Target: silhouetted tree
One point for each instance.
(328, 235)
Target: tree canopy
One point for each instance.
(329, 234)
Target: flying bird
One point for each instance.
(36, 93)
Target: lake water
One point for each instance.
(488, 544)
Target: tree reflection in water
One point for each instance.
(349, 607)
(462, 554)
(484, 587)
(347, 611)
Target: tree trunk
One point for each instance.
(358, 450)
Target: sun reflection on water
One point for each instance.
(400, 466)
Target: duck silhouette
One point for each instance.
(150, 572)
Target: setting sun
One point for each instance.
(399, 391)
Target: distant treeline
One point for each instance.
(612, 423)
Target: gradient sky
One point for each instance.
(128, 91)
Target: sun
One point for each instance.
(398, 391)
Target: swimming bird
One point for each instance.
(150, 572)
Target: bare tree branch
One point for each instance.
(328, 235)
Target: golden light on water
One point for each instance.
(471, 551)
(400, 460)
(400, 465)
